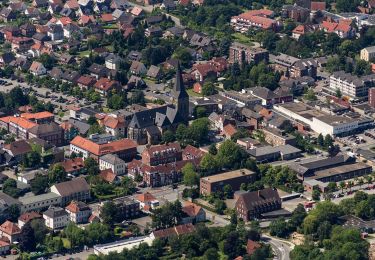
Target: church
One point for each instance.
(147, 127)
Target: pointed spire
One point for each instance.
(179, 88)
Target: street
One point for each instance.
(280, 247)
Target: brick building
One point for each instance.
(241, 53)
(235, 178)
(161, 154)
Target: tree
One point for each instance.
(10, 188)
(211, 254)
(369, 180)
(360, 182)
(108, 213)
(168, 215)
(40, 230)
(57, 174)
(200, 112)
(98, 233)
(332, 186)
(220, 206)
(228, 191)
(32, 159)
(116, 102)
(128, 185)
(208, 89)
(183, 55)
(168, 137)
(190, 176)
(208, 164)
(212, 149)
(279, 228)
(92, 120)
(27, 239)
(316, 194)
(338, 93)
(229, 155)
(310, 95)
(12, 212)
(346, 6)
(342, 185)
(75, 235)
(320, 140)
(39, 184)
(92, 166)
(328, 141)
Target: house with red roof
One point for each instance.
(343, 28)
(254, 19)
(86, 82)
(105, 85)
(27, 217)
(10, 231)
(147, 201)
(229, 130)
(318, 6)
(78, 212)
(109, 176)
(252, 246)
(73, 166)
(193, 213)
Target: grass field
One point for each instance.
(241, 38)
(192, 93)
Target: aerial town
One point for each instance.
(188, 129)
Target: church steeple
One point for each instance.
(181, 97)
(179, 90)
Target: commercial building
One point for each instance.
(270, 153)
(251, 205)
(322, 122)
(119, 246)
(368, 53)
(336, 174)
(235, 178)
(241, 53)
(371, 97)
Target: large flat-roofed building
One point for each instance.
(324, 123)
(235, 178)
(243, 99)
(336, 174)
(270, 153)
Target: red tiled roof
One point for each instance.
(300, 29)
(102, 149)
(76, 206)
(86, 80)
(28, 216)
(136, 11)
(105, 84)
(252, 246)
(108, 175)
(39, 115)
(230, 130)
(21, 122)
(107, 17)
(191, 209)
(73, 165)
(112, 122)
(177, 230)
(65, 20)
(191, 152)
(318, 6)
(10, 228)
(146, 197)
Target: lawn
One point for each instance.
(84, 54)
(241, 38)
(192, 93)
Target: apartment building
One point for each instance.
(113, 162)
(254, 19)
(161, 154)
(241, 53)
(352, 86)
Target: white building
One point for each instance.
(79, 212)
(56, 218)
(119, 246)
(113, 162)
(368, 53)
(39, 202)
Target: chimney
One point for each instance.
(258, 193)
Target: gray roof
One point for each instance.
(54, 212)
(68, 188)
(36, 198)
(82, 127)
(112, 159)
(45, 128)
(282, 149)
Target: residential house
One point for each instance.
(76, 189)
(21, 44)
(153, 31)
(56, 218)
(78, 211)
(8, 15)
(10, 231)
(107, 175)
(86, 82)
(161, 154)
(138, 68)
(343, 28)
(55, 32)
(15, 152)
(147, 201)
(193, 213)
(113, 62)
(174, 231)
(254, 19)
(37, 69)
(154, 72)
(126, 208)
(27, 217)
(296, 13)
(98, 71)
(6, 58)
(73, 166)
(28, 29)
(105, 85)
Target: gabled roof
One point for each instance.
(77, 206)
(108, 175)
(28, 216)
(68, 188)
(146, 197)
(55, 212)
(72, 165)
(10, 228)
(255, 199)
(191, 209)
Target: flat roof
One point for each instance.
(42, 197)
(339, 170)
(119, 246)
(335, 120)
(228, 175)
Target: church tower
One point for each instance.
(180, 95)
